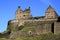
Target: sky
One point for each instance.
(37, 7)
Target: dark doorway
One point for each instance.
(52, 27)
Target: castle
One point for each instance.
(37, 25)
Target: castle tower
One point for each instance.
(23, 14)
(51, 13)
(18, 13)
(27, 13)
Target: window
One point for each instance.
(24, 15)
(20, 11)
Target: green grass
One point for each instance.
(14, 29)
(48, 36)
(27, 27)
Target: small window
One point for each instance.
(23, 15)
(30, 32)
(20, 11)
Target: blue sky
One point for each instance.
(38, 8)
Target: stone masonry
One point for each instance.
(44, 24)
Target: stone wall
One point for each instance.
(57, 28)
(40, 28)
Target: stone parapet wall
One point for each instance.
(41, 20)
(22, 21)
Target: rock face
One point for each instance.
(26, 25)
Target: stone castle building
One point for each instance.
(44, 24)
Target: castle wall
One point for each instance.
(57, 28)
(13, 24)
(36, 26)
(41, 26)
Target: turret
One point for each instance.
(27, 13)
(23, 14)
(27, 10)
(18, 13)
(51, 13)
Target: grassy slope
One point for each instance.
(27, 27)
(48, 36)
